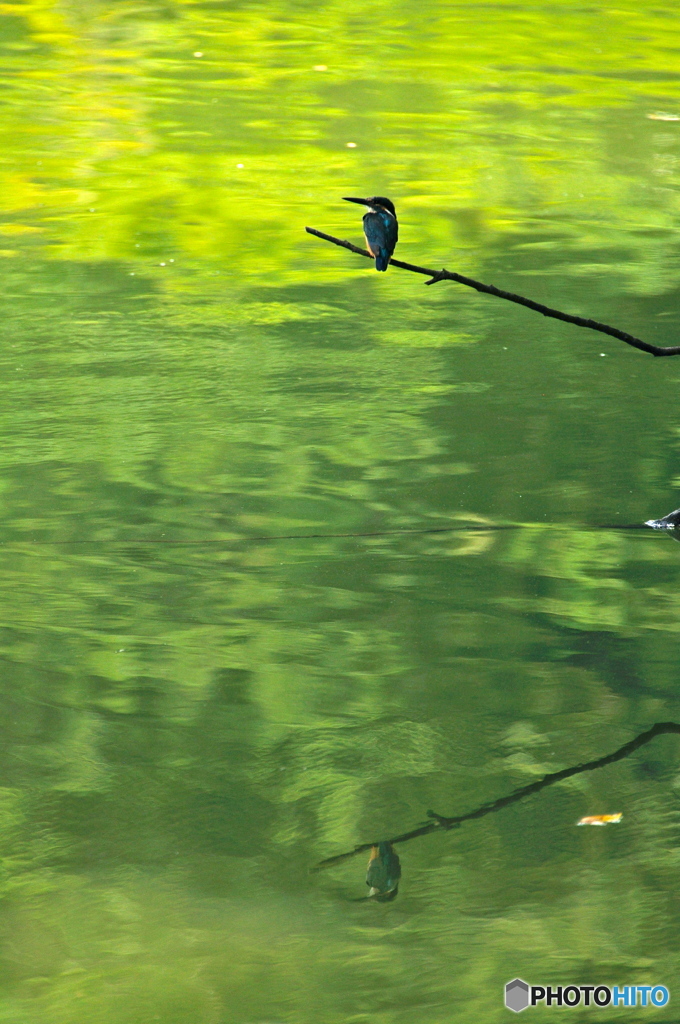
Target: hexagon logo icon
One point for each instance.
(517, 995)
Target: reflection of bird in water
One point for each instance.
(384, 872)
(380, 228)
(669, 522)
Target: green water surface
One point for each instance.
(196, 708)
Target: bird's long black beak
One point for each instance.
(353, 199)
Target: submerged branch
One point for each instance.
(439, 821)
(489, 289)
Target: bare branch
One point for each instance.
(489, 289)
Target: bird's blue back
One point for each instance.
(381, 231)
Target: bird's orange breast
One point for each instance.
(374, 254)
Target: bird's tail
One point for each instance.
(382, 259)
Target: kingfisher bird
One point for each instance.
(380, 228)
(383, 874)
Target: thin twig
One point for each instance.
(489, 289)
(28, 545)
(439, 821)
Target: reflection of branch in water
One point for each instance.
(439, 821)
(489, 289)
